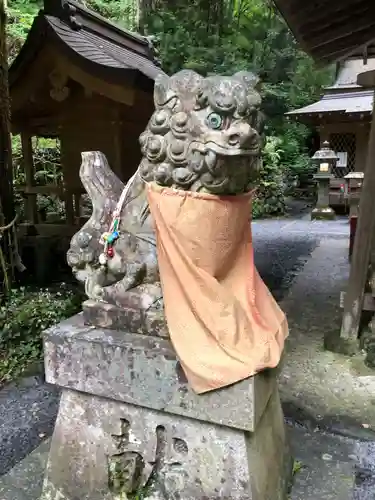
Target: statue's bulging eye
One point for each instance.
(214, 121)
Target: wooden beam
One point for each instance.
(49, 229)
(342, 39)
(297, 14)
(123, 94)
(339, 55)
(320, 10)
(35, 78)
(312, 25)
(49, 189)
(338, 28)
(353, 302)
(346, 44)
(45, 190)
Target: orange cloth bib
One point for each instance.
(223, 321)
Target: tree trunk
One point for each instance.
(6, 170)
(6, 173)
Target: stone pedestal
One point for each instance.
(354, 183)
(323, 213)
(129, 427)
(322, 209)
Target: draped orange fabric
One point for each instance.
(223, 321)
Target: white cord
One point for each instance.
(122, 199)
(116, 215)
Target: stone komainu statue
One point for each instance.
(205, 135)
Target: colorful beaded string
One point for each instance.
(109, 238)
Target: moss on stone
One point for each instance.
(323, 214)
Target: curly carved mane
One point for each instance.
(204, 133)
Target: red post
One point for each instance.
(353, 228)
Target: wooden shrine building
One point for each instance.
(330, 31)
(87, 82)
(343, 115)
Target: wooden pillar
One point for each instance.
(69, 205)
(324, 134)
(67, 181)
(28, 165)
(77, 206)
(353, 301)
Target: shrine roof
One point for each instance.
(343, 102)
(92, 41)
(345, 95)
(331, 30)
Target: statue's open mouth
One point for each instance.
(231, 151)
(206, 147)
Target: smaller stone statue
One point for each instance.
(114, 252)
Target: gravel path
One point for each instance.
(333, 388)
(27, 415)
(282, 247)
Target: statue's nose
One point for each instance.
(242, 135)
(250, 139)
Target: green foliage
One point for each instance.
(122, 12)
(20, 18)
(48, 170)
(269, 197)
(23, 317)
(221, 36)
(248, 35)
(297, 467)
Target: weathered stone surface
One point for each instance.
(326, 469)
(132, 319)
(134, 266)
(103, 449)
(205, 133)
(143, 370)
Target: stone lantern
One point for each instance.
(326, 160)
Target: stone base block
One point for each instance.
(103, 449)
(326, 213)
(129, 426)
